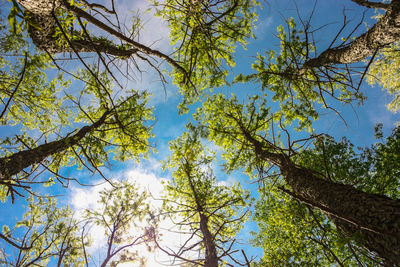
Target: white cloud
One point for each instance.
(262, 27)
(155, 32)
(83, 198)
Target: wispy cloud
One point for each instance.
(147, 180)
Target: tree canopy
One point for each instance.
(256, 165)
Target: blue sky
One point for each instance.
(168, 124)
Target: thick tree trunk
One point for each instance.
(41, 17)
(375, 219)
(385, 32)
(41, 23)
(15, 163)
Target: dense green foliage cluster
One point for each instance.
(205, 35)
(65, 109)
(291, 232)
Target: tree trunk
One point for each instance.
(375, 219)
(211, 259)
(42, 20)
(15, 163)
(208, 240)
(385, 32)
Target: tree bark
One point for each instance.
(211, 259)
(42, 25)
(385, 32)
(373, 219)
(208, 240)
(15, 163)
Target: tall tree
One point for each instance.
(205, 35)
(41, 102)
(294, 232)
(48, 26)
(246, 134)
(127, 220)
(209, 213)
(301, 79)
(117, 127)
(46, 235)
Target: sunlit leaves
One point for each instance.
(122, 206)
(123, 132)
(205, 35)
(125, 216)
(300, 90)
(29, 88)
(373, 169)
(223, 121)
(195, 194)
(293, 235)
(46, 232)
(385, 71)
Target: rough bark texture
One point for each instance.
(208, 240)
(15, 163)
(42, 14)
(375, 219)
(211, 259)
(385, 32)
(42, 28)
(41, 22)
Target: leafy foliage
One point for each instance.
(42, 103)
(195, 194)
(299, 90)
(123, 133)
(384, 71)
(127, 220)
(292, 234)
(222, 120)
(205, 35)
(22, 73)
(45, 234)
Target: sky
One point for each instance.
(360, 120)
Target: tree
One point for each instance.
(46, 21)
(301, 80)
(123, 210)
(210, 214)
(243, 132)
(43, 103)
(293, 232)
(52, 235)
(118, 125)
(46, 234)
